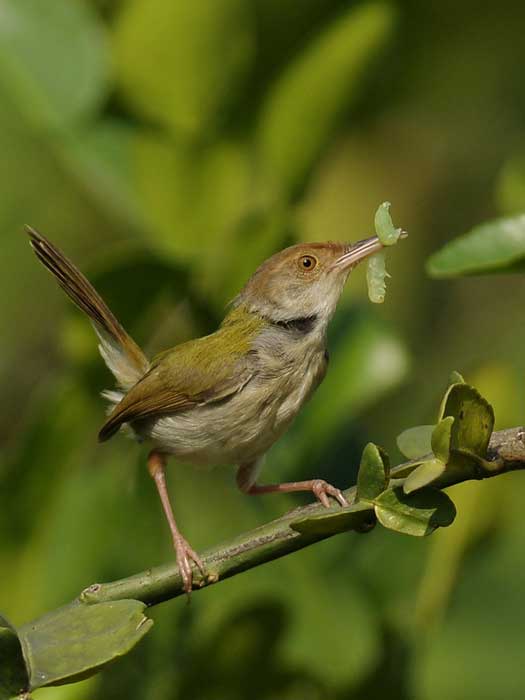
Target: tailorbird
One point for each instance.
(227, 397)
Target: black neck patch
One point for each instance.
(302, 325)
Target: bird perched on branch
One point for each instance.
(226, 397)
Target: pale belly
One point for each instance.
(242, 428)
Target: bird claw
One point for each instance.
(322, 489)
(185, 555)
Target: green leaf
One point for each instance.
(428, 471)
(76, 641)
(415, 442)
(305, 105)
(496, 246)
(14, 677)
(338, 520)
(415, 514)
(441, 438)
(456, 378)
(374, 470)
(53, 59)
(443, 404)
(181, 64)
(473, 419)
(423, 475)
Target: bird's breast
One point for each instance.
(243, 427)
(301, 382)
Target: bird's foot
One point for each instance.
(319, 487)
(322, 489)
(185, 556)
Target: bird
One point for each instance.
(224, 398)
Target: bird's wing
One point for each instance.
(198, 372)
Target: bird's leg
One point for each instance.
(184, 553)
(247, 476)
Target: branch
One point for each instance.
(108, 620)
(295, 530)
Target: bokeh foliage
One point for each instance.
(168, 148)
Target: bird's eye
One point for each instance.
(307, 262)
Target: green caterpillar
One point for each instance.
(376, 273)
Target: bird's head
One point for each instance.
(304, 280)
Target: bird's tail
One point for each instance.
(120, 352)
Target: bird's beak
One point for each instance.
(357, 252)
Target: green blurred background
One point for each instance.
(169, 147)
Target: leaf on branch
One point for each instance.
(333, 522)
(441, 439)
(415, 442)
(76, 641)
(374, 472)
(423, 475)
(415, 514)
(495, 246)
(14, 678)
(473, 419)
(459, 441)
(456, 378)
